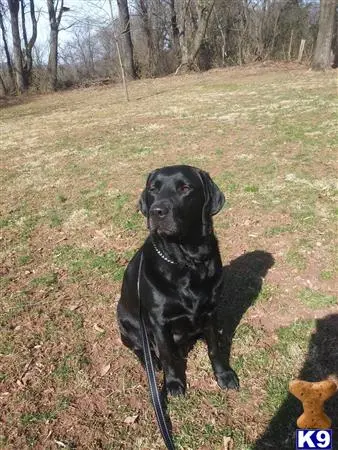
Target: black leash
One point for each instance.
(155, 396)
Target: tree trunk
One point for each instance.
(190, 45)
(202, 28)
(53, 59)
(335, 64)
(3, 86)
(185, 56)
(148, 32)
(322, 55)
(55, 15)
(8, 56)
(27, 56)
(13, 6)
(128, 50)
(175, 30)
(219, 27)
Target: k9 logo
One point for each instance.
(314, 439)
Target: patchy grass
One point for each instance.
(24, 259)
(314, 299)
(81, 262)
(45, 280)
(296, 258)
(72, 175)
(252, 189)
(29, 418)
(268, 293)
(326, 274)
(279, 229)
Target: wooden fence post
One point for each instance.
(290, 46)
(301, 50)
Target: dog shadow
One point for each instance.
(321, 362)
(243, 280)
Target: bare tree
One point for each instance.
(125, 87)
(128, 50)
(143, 9)
(3, 86)
(23, 60)
(336, 42)
(322, 55)
(13, 6)
(27, 54)
(194, 22)
(55, 12)
(175, 30)
(160, 35)
(6, 49)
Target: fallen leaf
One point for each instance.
(4, 394)
(104, 370)
(60, 444)
(25, 378)
(228, 443)
(131, 419)
(75, 306)
(98, 329)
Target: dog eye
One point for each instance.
(185, 188)
(152, 188)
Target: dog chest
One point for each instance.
(189, 310)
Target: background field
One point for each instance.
(73, 166)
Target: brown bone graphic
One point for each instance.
(313, 396)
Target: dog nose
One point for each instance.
(159, 211)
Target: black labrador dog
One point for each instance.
(181, 276)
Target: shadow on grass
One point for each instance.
(243, 280)
(321, 361)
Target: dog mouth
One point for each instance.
(162, 229)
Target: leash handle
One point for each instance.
(154, 394)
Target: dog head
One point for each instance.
(180, 201)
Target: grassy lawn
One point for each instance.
(73, 165)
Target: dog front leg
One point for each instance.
(225, 376)
(173, 363)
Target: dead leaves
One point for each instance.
(130, 420)
(60, 444)
(22, 381)
(98, 328)
(75, 306)
(104, 370)
(228, 443)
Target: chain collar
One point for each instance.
(161, 254)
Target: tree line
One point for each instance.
(150, 38)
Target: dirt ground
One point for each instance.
(73, 165)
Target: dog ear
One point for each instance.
(213, 196)
(143, 204)
(217, 198)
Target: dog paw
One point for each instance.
(175, 388)
(227, 380)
